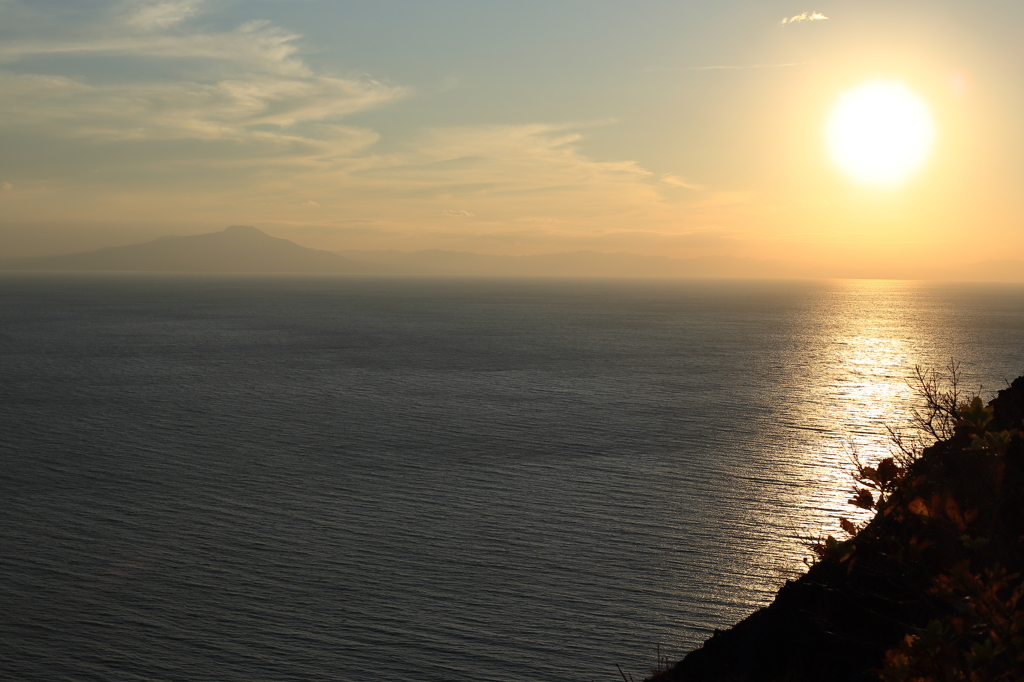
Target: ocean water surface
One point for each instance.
(242, 479)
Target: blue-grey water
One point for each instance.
(241, 479)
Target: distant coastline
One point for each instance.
(246, 249)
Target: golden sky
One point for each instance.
(671, 128)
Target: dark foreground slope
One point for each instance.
(238, 249)
(929, 590)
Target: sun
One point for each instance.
(879, 133)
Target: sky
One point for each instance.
(679, 128)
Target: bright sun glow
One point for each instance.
(879, 133)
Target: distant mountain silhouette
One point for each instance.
(245, 249)
(435, 262)
(238, 249)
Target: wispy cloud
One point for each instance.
(233, 124)
(258, 108)
(251, 86)
(677, 181)
(804, 16)
(152, 15)
(254, 46)
(727, 67)
(691, 239)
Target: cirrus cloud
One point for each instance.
(249, 85)
(153, 15)
(234, 122)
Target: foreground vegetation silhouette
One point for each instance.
(930, 590)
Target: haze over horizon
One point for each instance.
(679, 130)
(244, 249)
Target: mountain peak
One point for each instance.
(243, 231)
(239, 248)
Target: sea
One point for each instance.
(272, 479)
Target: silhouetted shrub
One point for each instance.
(931, 589)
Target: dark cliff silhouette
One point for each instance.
(930, 589)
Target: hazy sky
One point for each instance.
(676, 128)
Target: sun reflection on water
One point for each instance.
(845, 380)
